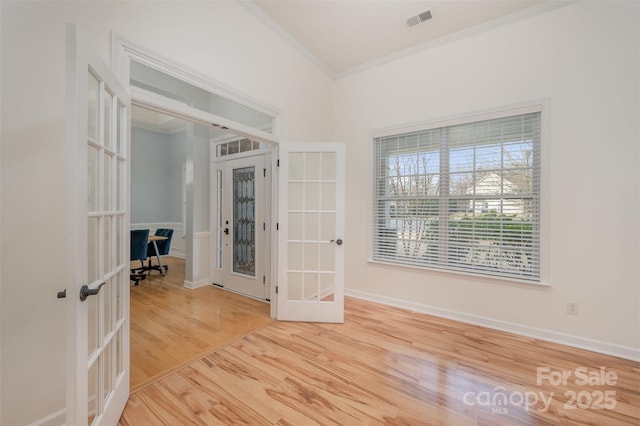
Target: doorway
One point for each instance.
(171, 321)
(307, 187)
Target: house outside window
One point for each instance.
(463, 197)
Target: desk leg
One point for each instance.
(158, 257)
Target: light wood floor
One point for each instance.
(172, 325)
(387, 366)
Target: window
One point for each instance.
(237, 146)
(464, 197)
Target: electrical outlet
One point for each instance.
(572, 308)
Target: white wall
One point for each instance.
(197, 210)
(201, 217)
(218, 39)
(584, 59)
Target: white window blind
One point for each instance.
(464, 197)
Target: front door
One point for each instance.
(311, 233)
(98, 110)
(244, 227)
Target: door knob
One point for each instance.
(338, 241)
(85, 291)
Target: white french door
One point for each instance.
(243, 227)
(98, 113)
(311, 250)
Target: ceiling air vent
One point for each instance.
(421, 17)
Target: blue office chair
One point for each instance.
(139, 241)
(163, 249)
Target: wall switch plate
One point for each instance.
(572, 308)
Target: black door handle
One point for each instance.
(62, 294)
(85, 291)
(226, 231)
(338, 241)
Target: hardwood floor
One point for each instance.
(172, 325)
(386, 365)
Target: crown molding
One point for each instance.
(460, 35)
(252, 8)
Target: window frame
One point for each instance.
(538, 106)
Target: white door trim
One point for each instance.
(153, 101)
(122, 51)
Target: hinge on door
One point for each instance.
(278, 163)
(264, 279)
(276, 289)
(277, 226)
(264, 226)
(264, 172)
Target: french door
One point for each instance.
(98, 298)
(311, 233)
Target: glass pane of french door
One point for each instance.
(106, 263)
(312, 226)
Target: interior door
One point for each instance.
(244, 226)
(311, 233)
(98, 298)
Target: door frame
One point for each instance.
(123, 51)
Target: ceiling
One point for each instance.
(344, 35)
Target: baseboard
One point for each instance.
(606, 348)
(58, 418)
(196, 284)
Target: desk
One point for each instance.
(153, 239)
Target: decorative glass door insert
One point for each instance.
(244, 221)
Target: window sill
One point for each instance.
(488, 278)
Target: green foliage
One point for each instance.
(492, 228)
